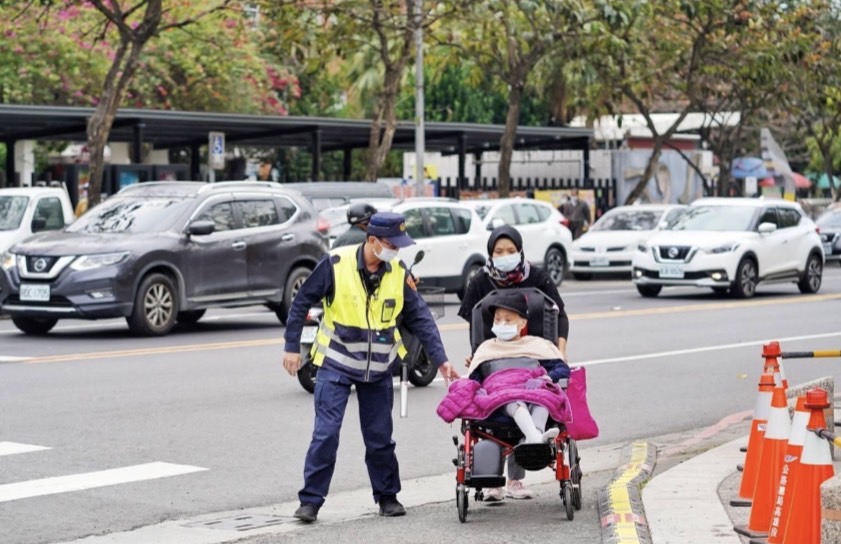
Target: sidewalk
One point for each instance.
(689, 503)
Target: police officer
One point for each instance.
(358, 215)
(365, 290)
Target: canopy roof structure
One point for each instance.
(180, 129)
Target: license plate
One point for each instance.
(827, 249)
(34, 293)
(308, 335)
(599, 261)
(671, 272)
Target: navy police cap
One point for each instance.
(390, 226)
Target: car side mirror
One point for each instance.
(496, 223)
(202, 227)
(39, 224)
(766, 228)
(662, 224)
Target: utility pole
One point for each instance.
(420, 137)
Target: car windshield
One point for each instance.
(715, 218)
(830, 219)
(628, 220)
(135, 215)
(11, 211)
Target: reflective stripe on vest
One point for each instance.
(359, 333)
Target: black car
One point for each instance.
(829, 224)
(161, 253)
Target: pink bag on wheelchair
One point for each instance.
(583, 426)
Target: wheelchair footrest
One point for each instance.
(533, 456)
(486, 482)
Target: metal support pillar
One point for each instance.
(315, 149)
(587, 182)
(477, 169)
(462, 156)
(137, 144)
(195, 162)
(347, 163)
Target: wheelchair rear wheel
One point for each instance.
(461, 501)
(575, 473)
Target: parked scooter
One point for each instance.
(421, 370)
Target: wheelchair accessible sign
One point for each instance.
(216, 145)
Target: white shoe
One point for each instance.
(494, 494)
(551, 434)
(516, 490)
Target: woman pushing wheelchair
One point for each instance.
(507, 268)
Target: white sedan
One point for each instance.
(732, 244)
(609, 245)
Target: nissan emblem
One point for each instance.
(40, 265)
(673, 251)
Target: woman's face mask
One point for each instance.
(506, 263)
(385, 253)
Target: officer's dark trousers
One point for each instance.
(375, 402)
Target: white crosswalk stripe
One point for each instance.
(92, 480)
(13, 448)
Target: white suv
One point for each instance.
(451, 235)
(546, 239)
(732, 244)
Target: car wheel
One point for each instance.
(155, 306)
(294, 281)
(580, 276)
(649, 291)
(191, 317)
(812, 276)
(34, 325)
(555, 263)
(747, 277)
(422, 371)
(468, 275)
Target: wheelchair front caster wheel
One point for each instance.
(566, 495)
(461, 502)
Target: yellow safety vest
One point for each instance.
(358, 335)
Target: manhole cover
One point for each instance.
(242, 523)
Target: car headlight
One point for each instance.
(89, 262)
(7, 260)
(726, 248)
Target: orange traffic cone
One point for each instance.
(771, 352)
(757, 431)
(771, 463)
(794, 450)
(804, 518)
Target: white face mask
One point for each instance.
(505, 331)
(385, 254)
(506, 263)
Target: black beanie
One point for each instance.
(505, 231)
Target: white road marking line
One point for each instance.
(92, 480)
(12, 359)
(720, 347)
(13, 448)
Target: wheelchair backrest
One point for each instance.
(489, 367)
(542, 318)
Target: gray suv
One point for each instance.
(161, 253)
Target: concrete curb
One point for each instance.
(621, 510)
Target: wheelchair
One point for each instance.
(486, 444)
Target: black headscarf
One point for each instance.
(521, 272)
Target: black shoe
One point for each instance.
(307, 512)
(390, 507)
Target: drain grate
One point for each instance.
(247, 522)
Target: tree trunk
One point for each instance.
(384, 124)
(647, 173)
(506, 143)
(100, 123)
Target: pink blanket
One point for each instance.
(471, 400)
